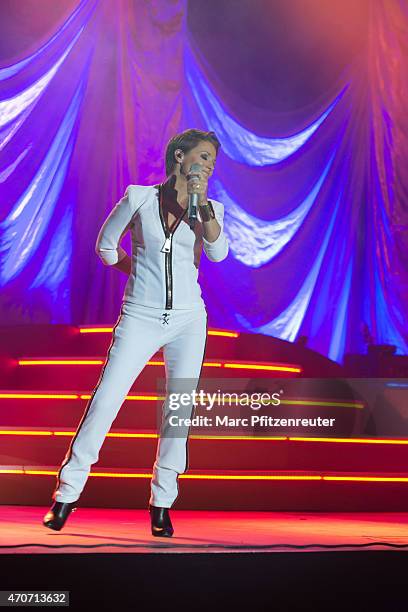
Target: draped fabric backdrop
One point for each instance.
(315, 196)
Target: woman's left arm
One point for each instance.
(211, 227)
(212, 217)
(214, 239)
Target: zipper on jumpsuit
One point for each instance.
(167, 250)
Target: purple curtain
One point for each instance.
(315, 197)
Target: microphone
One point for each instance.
(193, 198)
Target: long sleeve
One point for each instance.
(116, 224)
(217, 250)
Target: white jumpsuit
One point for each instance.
(161, 307)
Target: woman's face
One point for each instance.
(204, 153)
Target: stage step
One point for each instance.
(56, 339)
(27, 373)
(224, 472)
(218, 490)
(19, 341)
(130, 448)
(56, 408)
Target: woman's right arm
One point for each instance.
(107, 245)
(124, 265)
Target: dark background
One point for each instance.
(236, 37)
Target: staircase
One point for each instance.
(49, 372)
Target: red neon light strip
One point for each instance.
(211, 364)
(319, 477)
(32, 432)
(86, 396)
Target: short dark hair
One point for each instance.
(186, 141)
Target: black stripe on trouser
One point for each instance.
(192, 414)
(67, 460)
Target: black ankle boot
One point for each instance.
(58, 514)
(161, 523)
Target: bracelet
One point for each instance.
(207, 211)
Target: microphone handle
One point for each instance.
(192, 209)
(193, 198)
(192, 205)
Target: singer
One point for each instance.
(162, 307)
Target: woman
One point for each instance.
(161, 307)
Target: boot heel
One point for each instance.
(57, 515)
(160, 521)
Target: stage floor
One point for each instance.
(96, 530)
